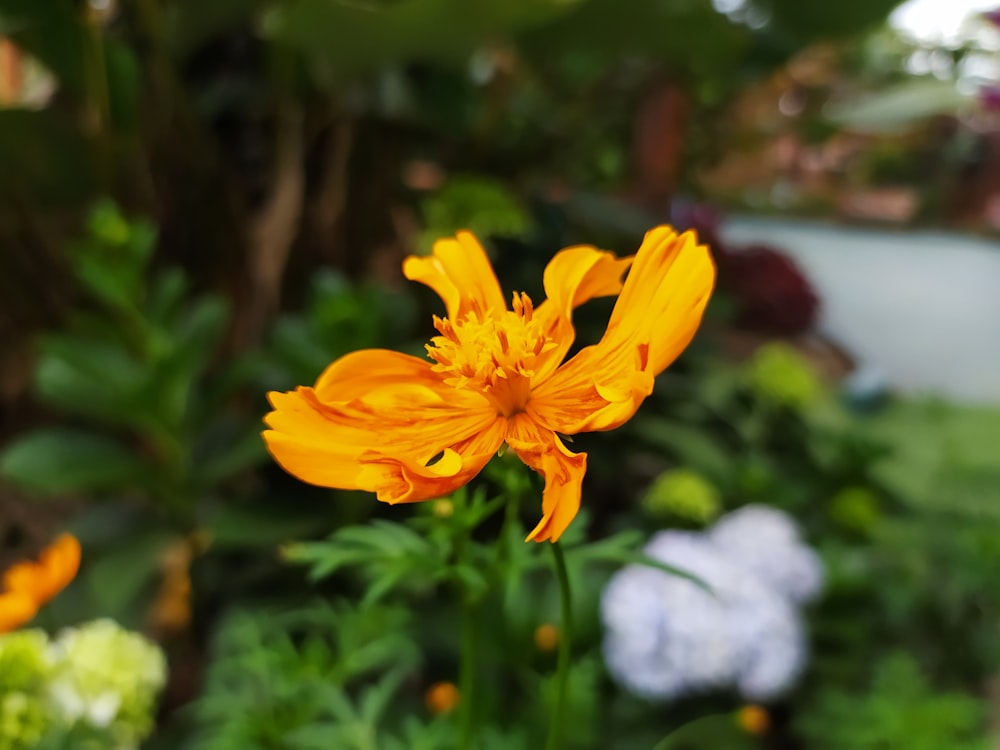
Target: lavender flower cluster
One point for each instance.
(667, 636)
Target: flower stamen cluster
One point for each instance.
(494, 353)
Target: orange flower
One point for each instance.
(29, 585)
(409, 429)
(441, 697)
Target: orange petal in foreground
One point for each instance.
(29, 585)
(411, 429)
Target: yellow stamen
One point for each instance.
(492, 352)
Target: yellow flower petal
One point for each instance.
(371, 371)
(544, 452)
(396, 480)
(581, 273)
(383, 422)
(16, 609)
(654, 319)
(460, 272)
(574, 276)
(663, 300)
(29, 585)
(61, 562)
(24, 578)
(408, 429)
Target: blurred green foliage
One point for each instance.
(901, 504)
(160, 425)
(308, 677)
(484, 207)
(129, 370)
(439, 565)
(149, 419)
(899, 709)
(145, 83)
(339, 316)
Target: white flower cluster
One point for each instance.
(97, 680)
(667, 636)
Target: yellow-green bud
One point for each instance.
(23, 666)
(779, 374)
(684, 494)
(443, 508)
(24, 720)
(108, 225)
(855, 508)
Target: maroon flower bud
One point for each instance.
(989, 98)
(771, 293)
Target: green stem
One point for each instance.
(98, 96)
(467, 679)
(565, 637)
(469, 624)
(510, 524)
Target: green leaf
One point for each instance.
(111, 282)
(166, 295)
(226, 451)
(713, 730)
(260, 525)
(695, 447)
(189, 25)
(639, 558)
(125, 571)
(472, 579)
(389, 555)
(345, 38)
(376, 701)
(198, 332)
(63, 460)
(92, 378)
(811, 21)
(689, 33)
(190, 346)
(297, 349)
(623, 549)
(112, 260)
(123, 78)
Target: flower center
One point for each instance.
(494, 354)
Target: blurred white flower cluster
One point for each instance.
(95, 685)
(667, 636)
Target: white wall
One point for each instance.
(924, 307)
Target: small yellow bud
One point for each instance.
(546, 637)
(443, 508)
(753, 720)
